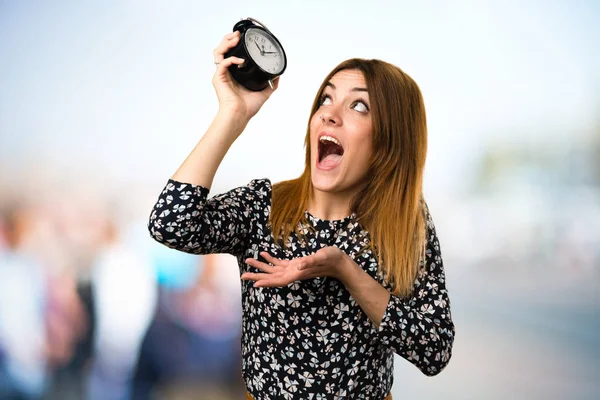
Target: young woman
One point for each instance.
(341, 268)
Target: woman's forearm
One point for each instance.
(370, 295)
(200, 166)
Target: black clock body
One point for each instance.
(251, 75)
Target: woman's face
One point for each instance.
(340, 135)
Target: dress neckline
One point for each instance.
(318, 221)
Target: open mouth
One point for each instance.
(330, 151)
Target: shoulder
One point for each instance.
(256, 190)
(184, 188)
(254, 193)
(427, 216)
(260, 185)
(432, 239)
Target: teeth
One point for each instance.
(330, 139)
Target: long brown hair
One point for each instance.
(391, 205)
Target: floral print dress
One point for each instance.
(310, 340)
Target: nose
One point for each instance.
(328, 119)
(330, 116)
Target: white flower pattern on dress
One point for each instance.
(310, 340)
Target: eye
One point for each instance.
(360, 106)
(325, 98)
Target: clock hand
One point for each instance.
(262, 52)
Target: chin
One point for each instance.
(327, 183)
(324, 185)
(336, 185)
(322, 182)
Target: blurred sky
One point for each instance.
(121, 90)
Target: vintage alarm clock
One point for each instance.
(263, 54)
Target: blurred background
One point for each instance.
(100, 102)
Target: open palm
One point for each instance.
(328, 261)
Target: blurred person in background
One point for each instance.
(68, 327)
(124, 297)
(65, 239)
(340, 268)
(42, 318)
(23, 298)
(191, 348)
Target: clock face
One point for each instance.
(265, 51)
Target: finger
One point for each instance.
(271, 283)
(266, 281)
(260, 265)
(270, 258)
(229, 41)
(231, 35)
(252, 276)
(306, 262)
(222, 71)
(303, 265)
(324, 255)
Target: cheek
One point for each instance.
(361, 168)
(314, 131)
(363, 160)
(364, 149)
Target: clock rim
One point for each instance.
(275, 39)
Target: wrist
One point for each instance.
(348, 272)
(230, 122)
(234, 119)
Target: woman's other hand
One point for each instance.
(328, 261)
(235, 100)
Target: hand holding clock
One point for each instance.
(235, 100)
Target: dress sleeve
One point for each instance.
(420, 328)
(184, 219)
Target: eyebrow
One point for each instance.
(355, 89)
